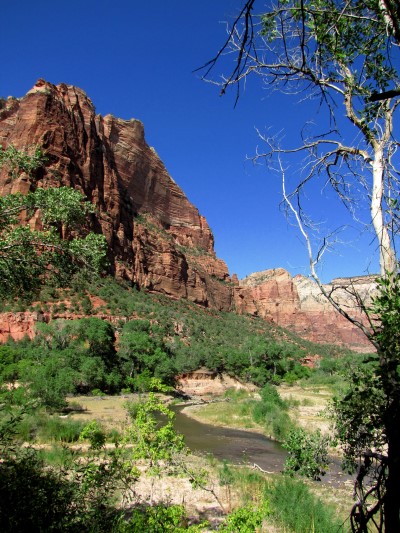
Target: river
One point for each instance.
(242, 447)
(233, 445)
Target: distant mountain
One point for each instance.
(157, 239)
(296, 303)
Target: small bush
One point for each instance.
(270, 412)
(158, 519)
(293, 504)
(97, 392)
(95, 434)
(307, 453)
(244, 520)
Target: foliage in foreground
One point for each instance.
(294, 505)
(80, 495)
(76, 496)
(368, 417)
(158, 519)
(30, 256)
(307, 453)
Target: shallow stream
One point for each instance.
(242, 447)
(233, 445)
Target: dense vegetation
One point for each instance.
(132, 336)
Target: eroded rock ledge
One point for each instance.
(157, 238)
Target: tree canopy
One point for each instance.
(338, 54)
(29, 256)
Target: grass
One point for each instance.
(55, 455)
(247, 411)
(307, 405)
(295, 506)
(233, 414)
(44, 428)
(109, 411)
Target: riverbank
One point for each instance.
(223, 415)
(307, 408)
(222, 419)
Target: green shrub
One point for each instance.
(271, 413)
(307, 453)
(158, 519)
(86, 305)
(297, 372)
(97, 392)
(244, 520)
(293, 504)
(95, 434)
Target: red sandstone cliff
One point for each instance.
(298, 305)
(151, 227)
(157, 238)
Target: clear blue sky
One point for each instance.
(135, 59)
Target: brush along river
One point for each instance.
(241, 446)
(233, 445)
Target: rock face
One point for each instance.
(18, 325)
(298, 305)
(204, 383)
(157, 238)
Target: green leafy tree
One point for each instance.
(27, 256)
(307, 453)
(142, 350)
(344, 57)
(17, 161)
(66, 356)
(158, 444)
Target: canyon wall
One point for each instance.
(296, 303)
(157, 239)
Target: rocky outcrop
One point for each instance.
(18, 325)
(157, 238)
(298, 305)
(205, 383)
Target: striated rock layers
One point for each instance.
(298, 305)
(157, 238)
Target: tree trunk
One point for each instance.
(391, 502)
(387, 258)
(392, 497)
